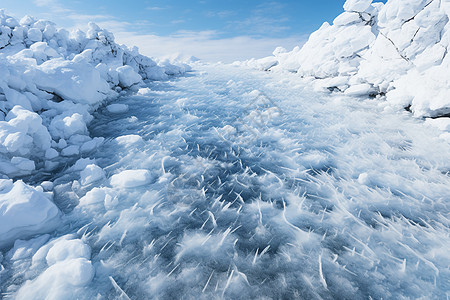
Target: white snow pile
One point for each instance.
(398, 49)
(64, 265)
(24, 211)
(51, 81)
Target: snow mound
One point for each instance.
(131, 178)
(91, 174)
(398, 49)
(24, 211)
(69, 269)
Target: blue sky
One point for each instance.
(210, 29)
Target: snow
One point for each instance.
(127, 76)
(399, 49)
(91, 173)
(357, 5)
(229, 183)
(24, 211)
(68, 271)
(51, 83)
(131, 178)
(362, 89)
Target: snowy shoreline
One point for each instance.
(396, 51)
(51, 81)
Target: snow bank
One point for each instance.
(398, 49)
(50, 83)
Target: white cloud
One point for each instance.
(53, 5)
(205, 46)
(155, 8)
(265, 19)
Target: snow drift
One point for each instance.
(51, 81)
(398, 49)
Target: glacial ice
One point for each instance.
(398, 48)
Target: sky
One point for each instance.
(212, 30)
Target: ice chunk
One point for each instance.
(103, 196)
(66, 125)
(441, 123)
(129, 139)
(117, 108)
(25, 131)
(91, 145)
(35, 35)
(131, 178)
(51, 153)
(24, 211)
(357, 5)
(144, 91)
(70, 151)
(24, 249)
(63, 280)
(47, 185)
(23, 164)
(67, 249)
(91, 173)
(347, 18)
(127, 76)
(356, 90)
(79, 82)
(82, 163)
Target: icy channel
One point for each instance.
(234, 184)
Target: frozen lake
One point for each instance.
(248, 185)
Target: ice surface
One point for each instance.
(324, 196)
